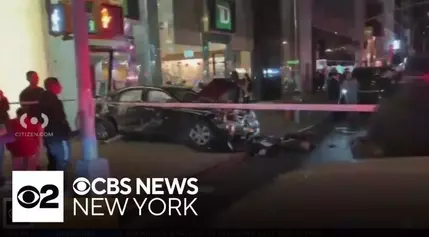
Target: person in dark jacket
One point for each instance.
(334, 93)
(4, 122)
(238, 96)
(248, 88)
(4, 108)
(58, 143)
(31, 94)
(334, 87)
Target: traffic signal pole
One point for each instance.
(90, 166)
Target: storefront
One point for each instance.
(191, 55)
(113, 63)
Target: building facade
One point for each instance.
(38, 43)
(310, 31)
(203, 39)
(156, 41)
(26, 43)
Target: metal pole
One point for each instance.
(110, 82)
(295, 34)
(86, 102)
(296, 55)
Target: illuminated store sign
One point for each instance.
(222, 15)
(188, 54)
(56, 19)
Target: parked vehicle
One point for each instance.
(202, 129)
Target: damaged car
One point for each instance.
(201, 129)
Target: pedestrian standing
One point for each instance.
(26, 147)
(334, 92)
(4, 125)
(350, 90)
(32, 93)
(248, 88)
(57, 130)
(239, 93)
(334, 87)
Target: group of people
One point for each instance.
(342, 88)
(245, 86)
(40, 123)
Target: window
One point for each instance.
(158, 96)
(131, 96)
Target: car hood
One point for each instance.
(216, 88)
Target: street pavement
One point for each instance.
(370, 193)
(228, 184)
(160, 159)
(223, 177)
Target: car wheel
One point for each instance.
(200, 136)
(104, 130)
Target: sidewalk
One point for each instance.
(141, 159)
(276, 123)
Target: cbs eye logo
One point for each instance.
(29, 197)
(81, 186)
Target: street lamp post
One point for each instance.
(90, 166)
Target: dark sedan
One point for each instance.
(202, 129)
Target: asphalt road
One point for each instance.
(222, 187)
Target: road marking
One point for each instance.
(306, 128)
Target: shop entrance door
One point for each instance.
(100, 75)
(217, 60)
(110, 71)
